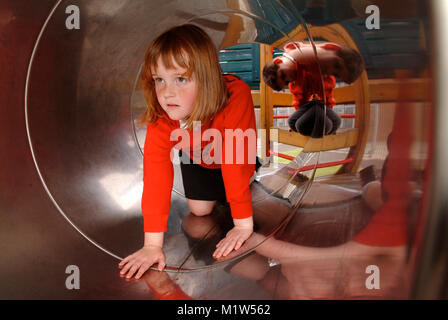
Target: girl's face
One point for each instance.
(176, 92)
(286, 72)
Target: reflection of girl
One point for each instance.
(183, 84)
(299, 69)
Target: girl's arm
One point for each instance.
(240, 117)
(154, 239)
(156, 199)
(158, 175)
(244, 223)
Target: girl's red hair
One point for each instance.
(192, 49)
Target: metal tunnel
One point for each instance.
(71, 155)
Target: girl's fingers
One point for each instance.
(126, 268)
(163, 262)
(234, 244)
(130, 261)
(138, 263)
(161, 265)
(220, 242)
(230, 242)
(143, 268)
(226, 247)
(124, 261)
(132, 271)
(225, 243)
(230, 247)
(218, 252)
(129, 258)
(239, 243)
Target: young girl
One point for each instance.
(184, 87)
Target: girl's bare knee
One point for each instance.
(200, 207)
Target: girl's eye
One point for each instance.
(182, 80)
(158, 80)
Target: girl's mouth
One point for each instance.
(172, 105)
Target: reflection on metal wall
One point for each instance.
(71, 156)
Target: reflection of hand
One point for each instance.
(163, 287)
(235, 237)
(141, 261)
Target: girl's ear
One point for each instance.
(331, 46)
(277, 61)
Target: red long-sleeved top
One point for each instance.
(308, 83)
(158, 173)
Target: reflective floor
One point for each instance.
(71, 163)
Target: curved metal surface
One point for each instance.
(78, 93)
(431, 281)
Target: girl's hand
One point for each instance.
(141, 261)
(235, 237)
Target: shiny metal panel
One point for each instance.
(431, 281)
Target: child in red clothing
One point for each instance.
(299, 69)
(184, 87)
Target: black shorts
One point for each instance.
(202, 183)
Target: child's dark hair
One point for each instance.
(270, 75)
(353, 63)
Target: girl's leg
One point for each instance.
(202, 186)
(200, 207)
(298, 114)
(312, 122)
(294, 117)
(334, 118)
(305, 124)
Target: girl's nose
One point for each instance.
(169, 91)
